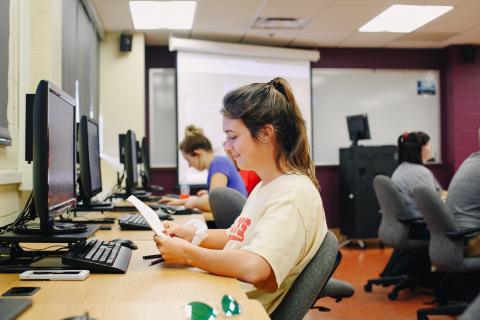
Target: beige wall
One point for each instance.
(34, 54)
(122, 100)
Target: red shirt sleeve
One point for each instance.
(250, 178)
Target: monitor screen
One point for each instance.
(358, 128)
(94, 157)
(61, 151)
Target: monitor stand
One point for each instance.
(137, 193)
(93, 206)
(19, 236)
(57, 228)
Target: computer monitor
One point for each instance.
(131, 162)
(121, 147)
(139, 153)
(89, 156)
(358, 128)
(147, 178)
(54, 153)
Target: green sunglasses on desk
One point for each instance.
(200, 311)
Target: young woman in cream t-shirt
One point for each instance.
(282, 224)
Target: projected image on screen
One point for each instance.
(61, 160)
(204, 79)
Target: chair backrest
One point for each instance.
(226, 205)
(391, 231)
(309, 282)
(445, 254)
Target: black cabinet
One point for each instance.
(359, 210)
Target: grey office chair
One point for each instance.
(336, 289)
(446, 247)
(226, 205)
(393, 231)
(304, 292)
(473, 310)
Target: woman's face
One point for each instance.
(427, 151)
(244, 149)
(194, 160)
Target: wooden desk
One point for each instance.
(156, 292)
(144, 292)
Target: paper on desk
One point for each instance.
(149, 215)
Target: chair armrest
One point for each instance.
(465, 233)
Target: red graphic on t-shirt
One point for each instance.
(238, 229)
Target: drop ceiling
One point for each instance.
(334, 23)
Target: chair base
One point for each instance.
(447, 310)
(400, 282)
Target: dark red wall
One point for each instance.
(460, 105)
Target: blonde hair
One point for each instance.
(194, 140)
(259, 104)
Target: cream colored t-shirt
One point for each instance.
(284, 222)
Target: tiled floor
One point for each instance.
(356, 267)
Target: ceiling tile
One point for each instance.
(266, 36)
(370, 39)
(319, 38)
(292, 9)
(329, 24)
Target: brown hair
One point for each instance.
(259, 104)
(194, 140)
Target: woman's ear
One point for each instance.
(266, 134)
(195, 153)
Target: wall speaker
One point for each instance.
(468, 54)
(125, 42)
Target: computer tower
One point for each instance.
(359, 215)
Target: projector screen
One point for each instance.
(203, 79)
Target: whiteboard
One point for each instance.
(203, 79)
(388, 96)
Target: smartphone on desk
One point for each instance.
(54, 275)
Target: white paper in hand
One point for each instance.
(149, 215)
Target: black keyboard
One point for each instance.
(177, 209)
(137, 221)
(99, 256)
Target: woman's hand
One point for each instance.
(177, 230)
(191, 202)
(173, 250)
(202, 192)
(173, 201)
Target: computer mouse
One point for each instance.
(126, 243)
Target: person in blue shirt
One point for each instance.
(197, 150)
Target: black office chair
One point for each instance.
(393, 231)
(446, 247)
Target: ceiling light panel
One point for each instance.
(404, 18)
(174, 15)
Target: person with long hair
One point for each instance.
(197, 150)
(282, 224)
